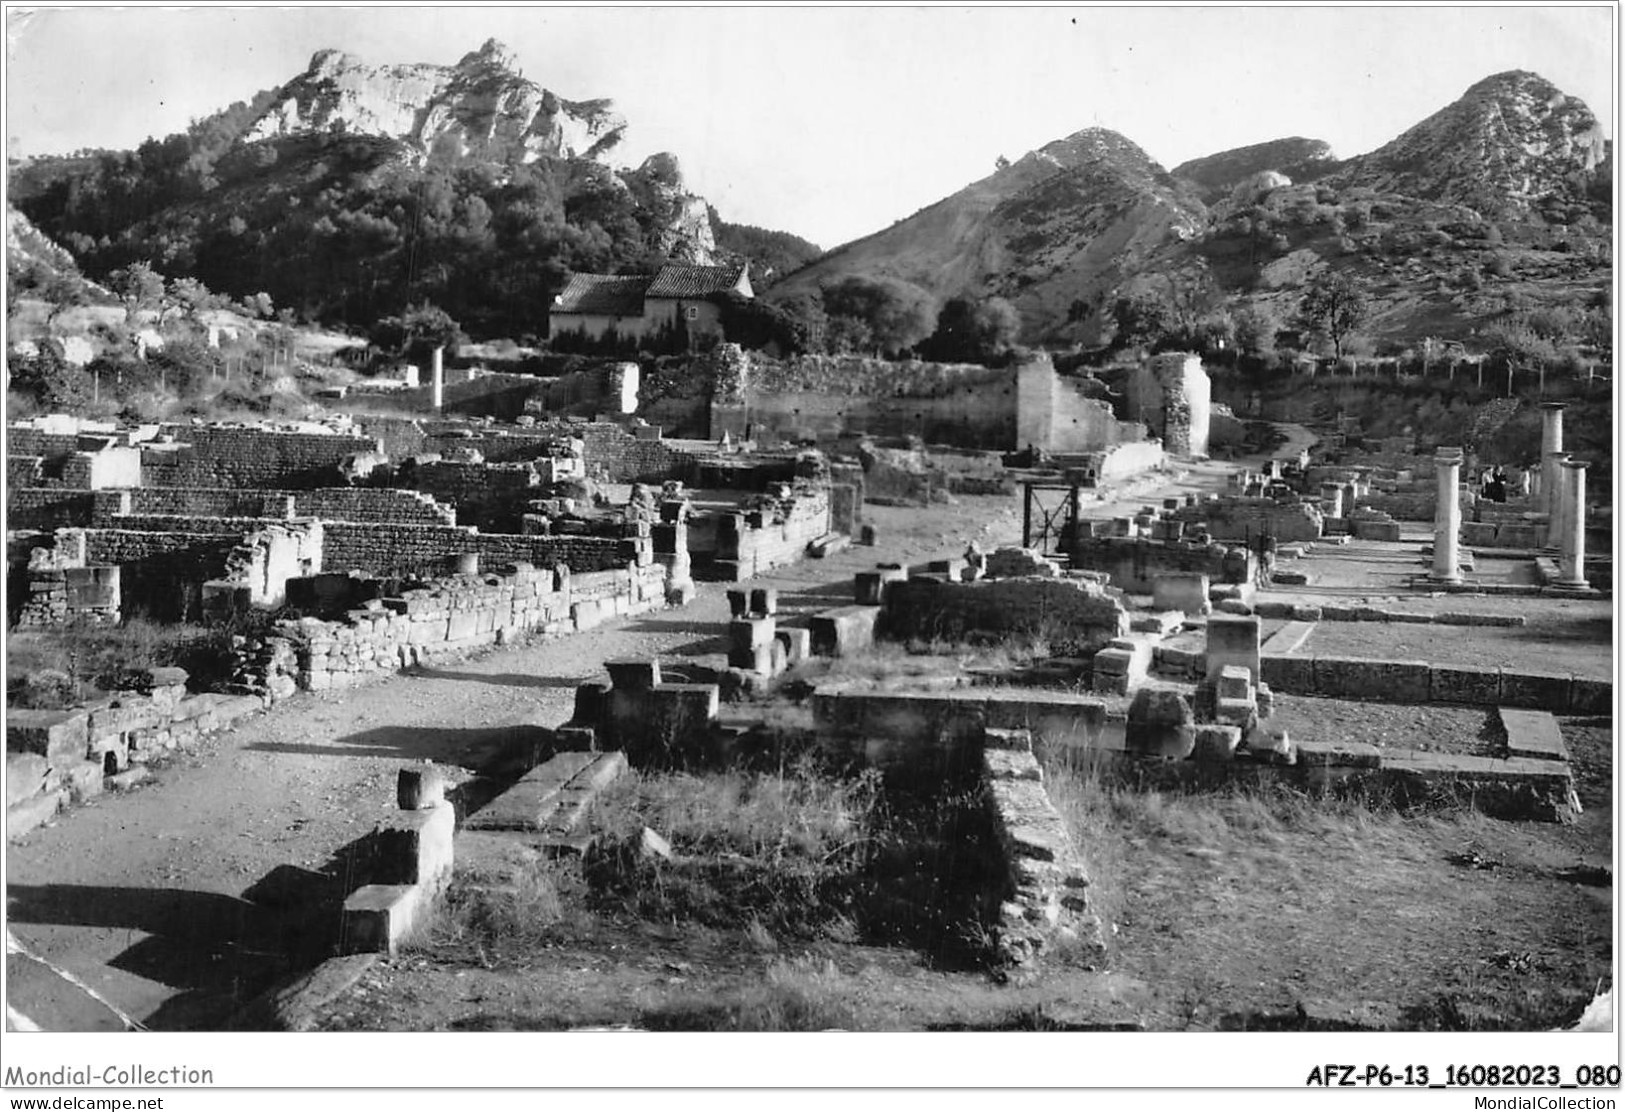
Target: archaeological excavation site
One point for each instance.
(461, 579)
(810, 693)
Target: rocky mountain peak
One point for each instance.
(1217, 176)
(491, 54)
(1513, 143)
(328, 63)
(480, 107)
(1097, 145)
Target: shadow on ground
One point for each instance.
(468, 748)
(220, 951)
(506, 679)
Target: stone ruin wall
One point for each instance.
(1246, 519)
(466, 391)
(203, 456)
(1074, 612)
(1127, 459)
(1174, 397)
(54, 758)
(50, 508)
(172, 540)
(1134, 563)
(446, 618)
(828, 396)
(164, 572)
(748, 544)
(491, 496)
(416, 549)
(51, 447)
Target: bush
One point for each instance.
(47, 689)
(98, 656)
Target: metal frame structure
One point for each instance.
(1056, 519)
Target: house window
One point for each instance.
(692, 312)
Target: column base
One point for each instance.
(1572, 584)
(1445, 580)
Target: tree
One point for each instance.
(757, 324)
(49, 382)
(1334, 306)
(1256, 326)
(259, 305)
(417, 332)
(62, 291)
(973, 331)
(1142, 318)
(897, 314)
(192, 298)
(806, 312)
(140, 288)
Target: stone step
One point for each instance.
(378, 917)
(531, 801)
(1533, 733)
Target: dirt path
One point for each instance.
(182, 899)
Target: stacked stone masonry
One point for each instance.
(925, 732)
(207, 456)
(1134, 563)
(1047, 888)
(420, 549)
(453, 616)
(54, 758)
(1075, 613)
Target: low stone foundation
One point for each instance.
(1074, 611)
(1047, 898)
(446, 618)
(58, 757)
(924, 734)
(1420, 682)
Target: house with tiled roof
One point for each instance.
(645, 306)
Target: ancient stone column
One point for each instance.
(1551, 480)
(1571, 561)
(1447, 518)
(1551, 440)
(437, 379)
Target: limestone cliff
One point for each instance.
(28, 246)
(481, 107)
(685, 219)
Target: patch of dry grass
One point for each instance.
(1252, 897)
(799, 994)
(496, 924)
(797, 810)
(78, 661)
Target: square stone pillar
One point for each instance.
(1331, 499)
(1447, 517)
(1551, 482)
(1572, 558)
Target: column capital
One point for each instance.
(1576, 464)
(1551, 407)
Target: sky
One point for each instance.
(834, 122)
